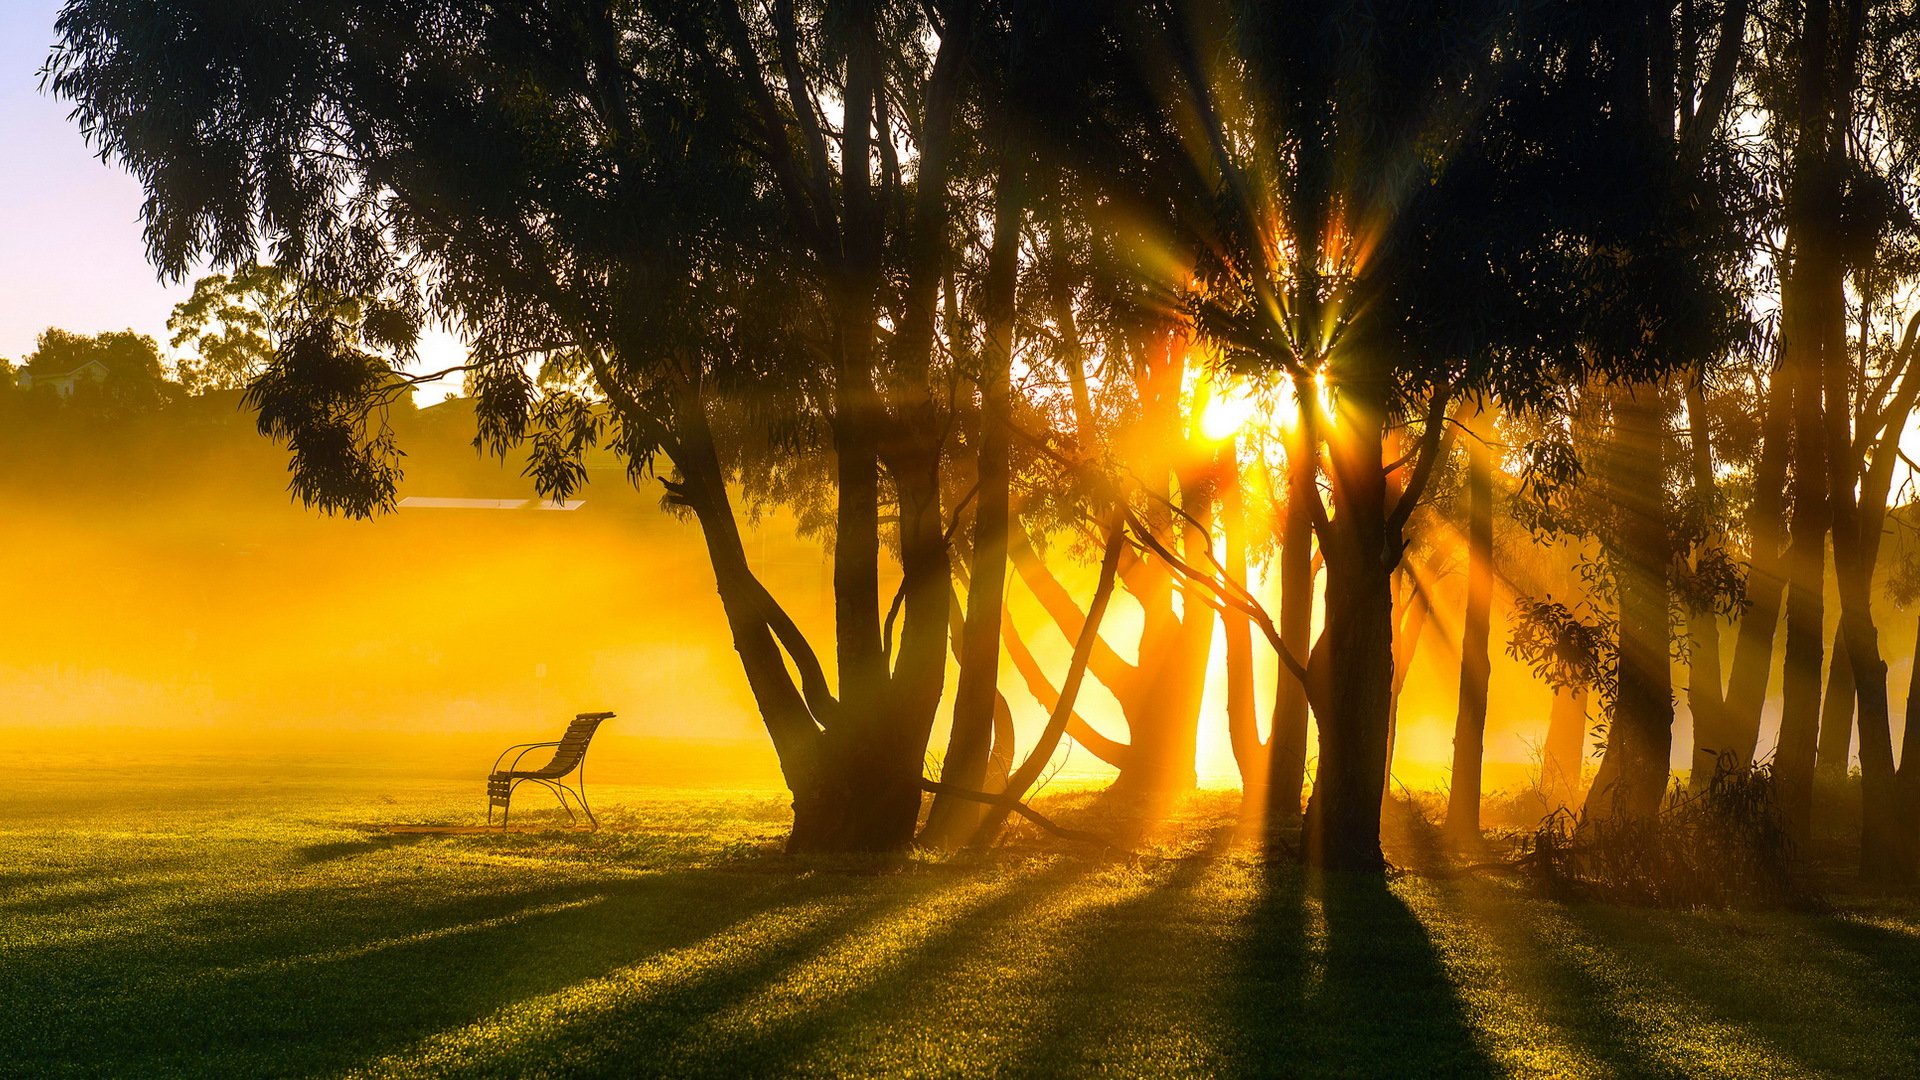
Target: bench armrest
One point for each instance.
(523, 748)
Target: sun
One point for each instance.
(1226, 412)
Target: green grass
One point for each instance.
(262, 928)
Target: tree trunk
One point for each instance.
(1640, 740)
(1812, 310)
(1753, 649)
(1250, 755)
(1907, 779)
(1563, 759)
(1343, 820)
(1470, 725)
(1023, 778)
(1287, 741)
(1705, 698)
(1352, 664)
(952, 820)
(1837, 711)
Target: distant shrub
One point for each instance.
(1721, 846)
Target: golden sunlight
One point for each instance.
(1227, 411)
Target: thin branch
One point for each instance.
(1423, 468)
(1025, 811)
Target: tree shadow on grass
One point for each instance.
(281, 981)
(359, 845)
(1752, 976)
(1341, 979)
(884, 1006)
(1060, 970)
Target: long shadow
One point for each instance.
(837, 1032)
(1064, 972)
(1133, 981)
(1361, 991)
(323, 980)
(1756, 973)
(311, 854)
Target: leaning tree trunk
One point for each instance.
(1021, 780)
(1470, 726)
(818, 802)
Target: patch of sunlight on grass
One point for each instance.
(330, 956)
(532, 1033)
(1628, 1002)
(1498, 984)
(852, 962)
(1885, 923)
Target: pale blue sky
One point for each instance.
(70, 249)
(71, 252)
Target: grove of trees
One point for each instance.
(1609, 307)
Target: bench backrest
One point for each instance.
(573, 745)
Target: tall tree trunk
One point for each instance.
(1705, 698)
(1250, 755)
(1287, 741)
(1837, 710)
(1806, 615)
(953, 820)
(1352, 663)
(1563, 759)
(1633, 776)
(1470, 725)
(1753, 649)
(859, 411)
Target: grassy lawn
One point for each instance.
(269, 927)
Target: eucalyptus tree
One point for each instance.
(1476, 666)
(1379, 230)
(1842, 87)
(1808, 88)
(720, 228)
(1837, 85)
(1121, 424)
(231, 324)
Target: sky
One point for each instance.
(71, 251)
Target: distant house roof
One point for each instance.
(43, 370)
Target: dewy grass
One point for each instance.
(281, 930)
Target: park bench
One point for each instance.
(569, 757)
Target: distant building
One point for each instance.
(62, 383)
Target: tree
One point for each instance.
(648, 199)
(131, 377)
(230, 322)
(1463, 806)
(1377, 231)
